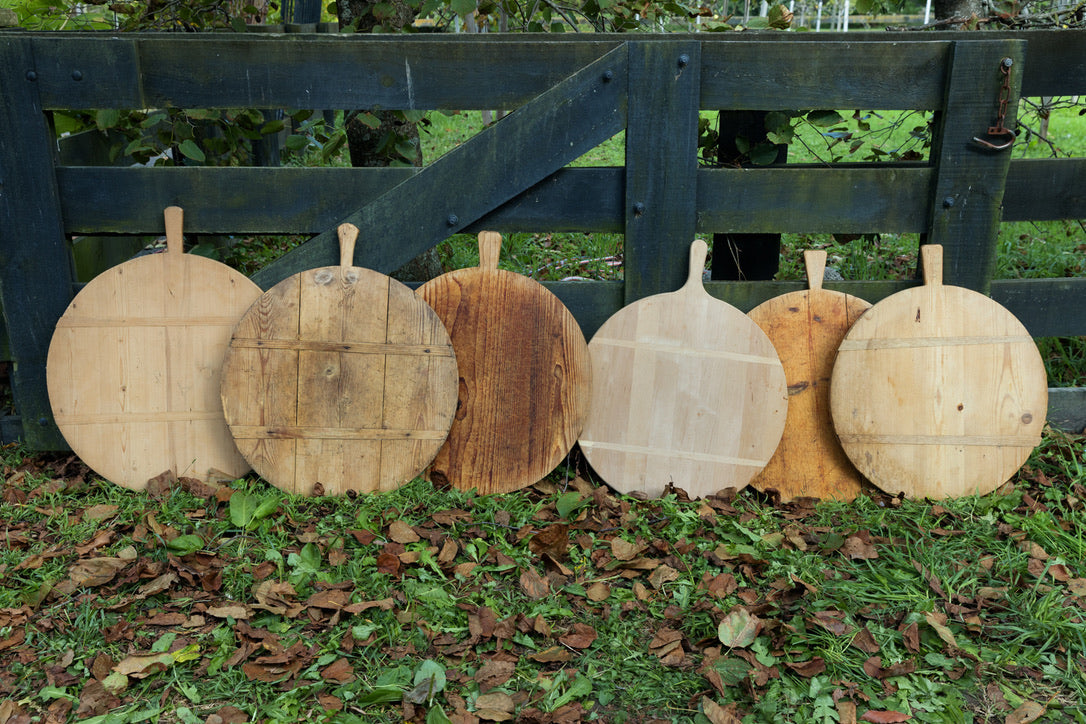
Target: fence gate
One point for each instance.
(570, 94)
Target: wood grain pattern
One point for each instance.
(806, 328)
(134, 366)
(688, 390)
(938, 391)
(340, 376)
(524, 376)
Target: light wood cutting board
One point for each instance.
(806, 328)
(340, 376)
(524, 376)
(687, 390)
(133, 367)
(938, 391)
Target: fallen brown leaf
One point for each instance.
(623, 550)
(581, 636)
(143, 665)
(832, 621)
(494, 673)
(807, 669)
(534, 585)
(552, 655)
(873, 668)
(235, 611)
(864, 641)
(552, 540)
(401, 532)
(339, 671)
(718, 714)
(93, 572)
(856, 548)
(598, 591)
(1029, 711)
(661, 575)
(100, 512)
(496, 706)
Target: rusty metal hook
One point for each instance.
(997, 132)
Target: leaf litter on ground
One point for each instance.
(562, 603)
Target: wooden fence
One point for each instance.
(571, 94)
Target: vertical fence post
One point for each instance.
(661, 164)
(967, 198)
(35, 266)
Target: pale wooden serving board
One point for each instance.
(687, 390)
(133, 367)
(806, 329)
(340, 376)
(938, 391)
(524, 376)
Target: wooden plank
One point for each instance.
(969, 183)
(853, 74)
(1067, 408)
(552, 130)
(281, 200)
(814, 199)
(1048, 307)
(592, 303)
(87, 71)
(889, 198)
(99, 200)
(35, 267)
(1043, 189)
(661, 166)
(11, 429)
(353, 71)
(301, 71)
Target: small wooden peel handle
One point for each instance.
(698, 251)
(175, 240)
(931, 257)
(815, 262)
(490, 248)
(348, 235)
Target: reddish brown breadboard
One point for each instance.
(806, 328)
(524, 376)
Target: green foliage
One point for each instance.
(954, 609)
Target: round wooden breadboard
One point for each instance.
(806, 328)
(687, 390)
(342, 377)
(524, 376)
(133, 367)
(938, 391)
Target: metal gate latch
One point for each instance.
(999, 137)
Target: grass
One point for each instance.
(974, 607)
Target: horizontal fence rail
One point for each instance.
(569, 95)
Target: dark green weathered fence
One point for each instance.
(571, 94)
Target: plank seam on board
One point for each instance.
(688, 455)
(967, 440)
(428, 350)
(109, 322)
(277, 432)
(851, 345)
(685, 351)
(106, 418)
